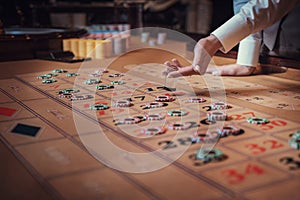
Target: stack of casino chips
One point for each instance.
(294, 141)
(102, 41)
(218, 113)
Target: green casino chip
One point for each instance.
(92, 81)
(104, 87)
(72, 74)
(48, 81)
(294, 143)
(177, 113)
(207, 154)
(117, 82)
(99, 107)
(59, 71)
(257, 120)
(296, 134)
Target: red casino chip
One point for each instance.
(122, 103)
(155, 116)
(199, 137)
(219, 106)
(179, 126)
(196, 100)
(228, 130)
(154, 105)
(216, 116)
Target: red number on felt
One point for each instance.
(249, 113)
(274, 144)
(256, 149)
(272, 124)
(253, 169)
(117, 110)
(237, 117)
(126, 92)
(101, 112)
(55, 86)
(242, 116)
(235, 177)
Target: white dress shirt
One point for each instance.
(246, 25)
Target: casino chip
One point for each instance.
(98, 73)
(164, 98)
(117, 82)
(75, 97)
(104, 87)
(59, 71)
(199, 137)
(154, 117)
(177, 113)
(47, 76)
(216, 116)
(153, 131)
(68, 91)
(65, 95)
(129, 120)
(228, 130)
(92, 81)
(42, 77)
(179, 126)
(99, 107)
(219, 106)
(257, 120)
(72, 74)
(49, 81)
(116, 75)
(196, 100)
(294, 142)
(122, 103)
(154, 105)
(207, 154)
(296, 134)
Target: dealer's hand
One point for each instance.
(175, 69)
(203, 52)
(234, 70)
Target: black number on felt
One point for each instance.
(207, 122)
(208, 108)
(193, 124)
(140, 97)
(168, 144)
(293, 164)
(166, 88)
(184, 141)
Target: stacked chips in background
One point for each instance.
(102, 41)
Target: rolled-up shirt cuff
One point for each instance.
(232, 32)
(248, 53)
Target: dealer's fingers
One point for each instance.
(185, 71)
(177, 63)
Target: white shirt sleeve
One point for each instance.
(253, 17)
(249, 47)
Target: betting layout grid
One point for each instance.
(279, 98)
(262, 146)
